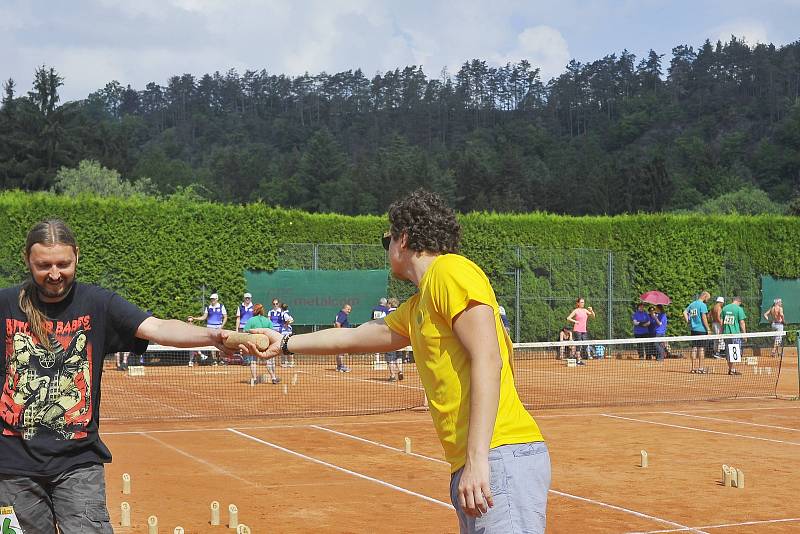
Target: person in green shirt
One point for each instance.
(259, 320)
(733, 322)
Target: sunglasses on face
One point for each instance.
(386, 240)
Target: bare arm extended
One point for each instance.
(475, 329)
(179, 334)
(373, 336)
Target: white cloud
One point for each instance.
(753, 31)
(544, 47)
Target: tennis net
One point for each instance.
(161, 383)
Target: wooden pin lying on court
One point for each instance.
(178, 530)
(214, 513)
(126, 484)
(407, 445)
(644, 462)
(243, 529)
(152, 525)
(285, 389)
(233, 516)
(294, 379)
(125, 516)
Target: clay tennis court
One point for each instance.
(350, 473)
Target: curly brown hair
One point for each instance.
(427, 220)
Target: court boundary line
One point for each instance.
(368, 423)
(211, 465)
(701, 429)
(342, 469)
(725, 525)
(550, 490)
(378, 444)
(734, 421)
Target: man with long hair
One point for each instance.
(463, 355)
(51, 454)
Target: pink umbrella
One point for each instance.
(655, 297)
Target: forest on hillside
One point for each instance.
(715, 128)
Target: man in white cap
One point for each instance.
(215, 315)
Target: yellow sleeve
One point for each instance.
(400, 320)
(456, 283)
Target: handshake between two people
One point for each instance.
(259, 342)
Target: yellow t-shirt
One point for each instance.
(449, 285)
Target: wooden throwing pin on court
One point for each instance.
(215, 513)
(233, 516)
(407, 445)
(126, 484)
(178, 530)
(125, 516)
(152, 525)
(243, 529)
(644, 461)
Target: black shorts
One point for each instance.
(701, 343)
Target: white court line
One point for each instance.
(626, 510)
(561, 493)
(148, 399)
(699, 429)
(360, 423)
(367, 380)
(342, 469)
(363, 440)
(734, 421)
(709, 527)
(206, 463)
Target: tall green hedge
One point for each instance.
(158, 253)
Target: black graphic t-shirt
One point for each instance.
(50, 398)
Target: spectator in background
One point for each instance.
(259, 321)
(215, 315)
(733, 320)
(286, 328)
(579, 317)
(244, 312)
(658, 326)
(696, 317)
(565, 334)
(342, 321)
(715, 315)
(275, 315)
(775, 315)
(641, 329)
(379, 312)
(394, 359)
(122, 360)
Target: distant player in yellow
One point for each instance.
(463, 355)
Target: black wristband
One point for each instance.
(285, 345)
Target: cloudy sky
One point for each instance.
(91, 42)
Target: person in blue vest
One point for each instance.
(275, 315)
(286, 328)
(379, 311)
(658, 328)
(342, 321)
(641, 329)
(696, 316)
(215, 315)
(244, 312)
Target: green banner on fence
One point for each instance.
(314, 297)
(787, 290)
